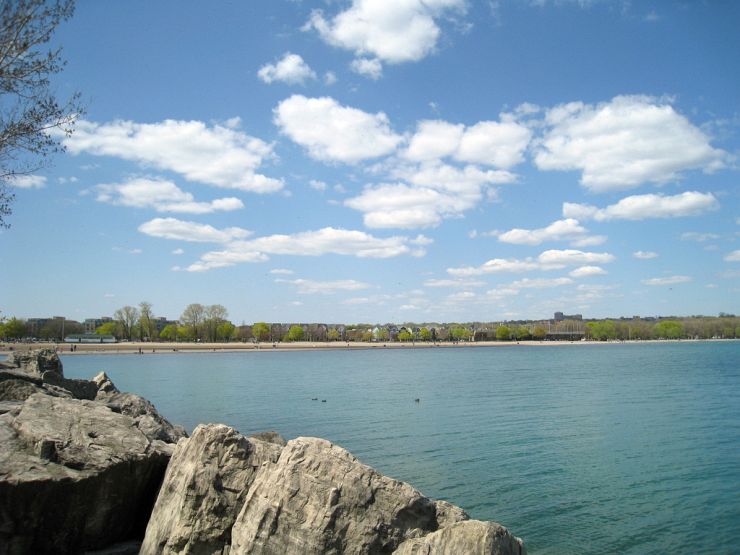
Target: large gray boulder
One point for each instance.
(145, 415)
(74, 475)
(472, 536)
(204, 489)
(227, 494)
(43, 367)
(35, 362)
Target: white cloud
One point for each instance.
(623, 143)
(548, 260)
(178, 251)
(290, 69)
(394, 32)
(454, 283)
(698, 237)
(592, 241)
(25, 181)
(172, 228)
(308, 243)
(317, 185)
(332, 132)
(540, 283)
(330, 78)
(216, 155)
(560, 230)
(461, 296)
(734, 256)
(282, 272)
(672, 280)
(369, 67)
(569, 257)
(435, 192)
(641, 207)
(309, 287)
(162, 196)
(586, 271)
(645, 255)
(498, 144)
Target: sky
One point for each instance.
(388, 161)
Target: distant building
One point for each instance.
(559, 317)
(89, 338)
(91, 324)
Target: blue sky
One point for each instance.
(368, 160)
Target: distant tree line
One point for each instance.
(210, 323)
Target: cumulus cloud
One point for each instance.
(623, 143)
(290, 69)
(172, 228)
(547, 260)
(162, 196)
(308, 243)
(645, 255)
(698, 237)
(540, 283)
(454, 283)
(586, 271)
(734, 256)
(672, 280)
(25, 181)
(335, 133)
(394, 32)
(309, 287)
(642, 207)
(281, 272)
(433, 192)
(369, 67)
(499, 144)
(561, 230)
(217, 155)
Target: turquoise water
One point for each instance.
(578, 449)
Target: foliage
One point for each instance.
(503, 333)
(192, 318)
(333, 334)
(425, 334)
(295, 333)
(32, 120)
(668, 329)
(602, 331)
(127, 318)
(169, 333)
(367, 336)
(109, 328)
(147, 329)
(225, 331)
(261, 331)
(14, 329)
(539, 333)
(383, 334)
(405, 335)
(461, 334)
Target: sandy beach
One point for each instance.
(146, 348)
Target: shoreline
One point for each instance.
(144, 348)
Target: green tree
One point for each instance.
(169, 333)
(333, 334)
(261, 331)
(503, 333)
(109, 328)
(383, 334)
(366, 336)
(225, 331)
(127, 318)
(147, 329)
(602, 331)
(295, 333)
(192, 318)
(215, 315)
(425, 334)
(14, 329)
(539, 333)
(404, 335)
(668, 329)
(29, 111)
(460, 334)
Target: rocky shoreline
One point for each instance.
(86, 468)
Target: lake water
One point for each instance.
(576, 448)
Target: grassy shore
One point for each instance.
(159, 348)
